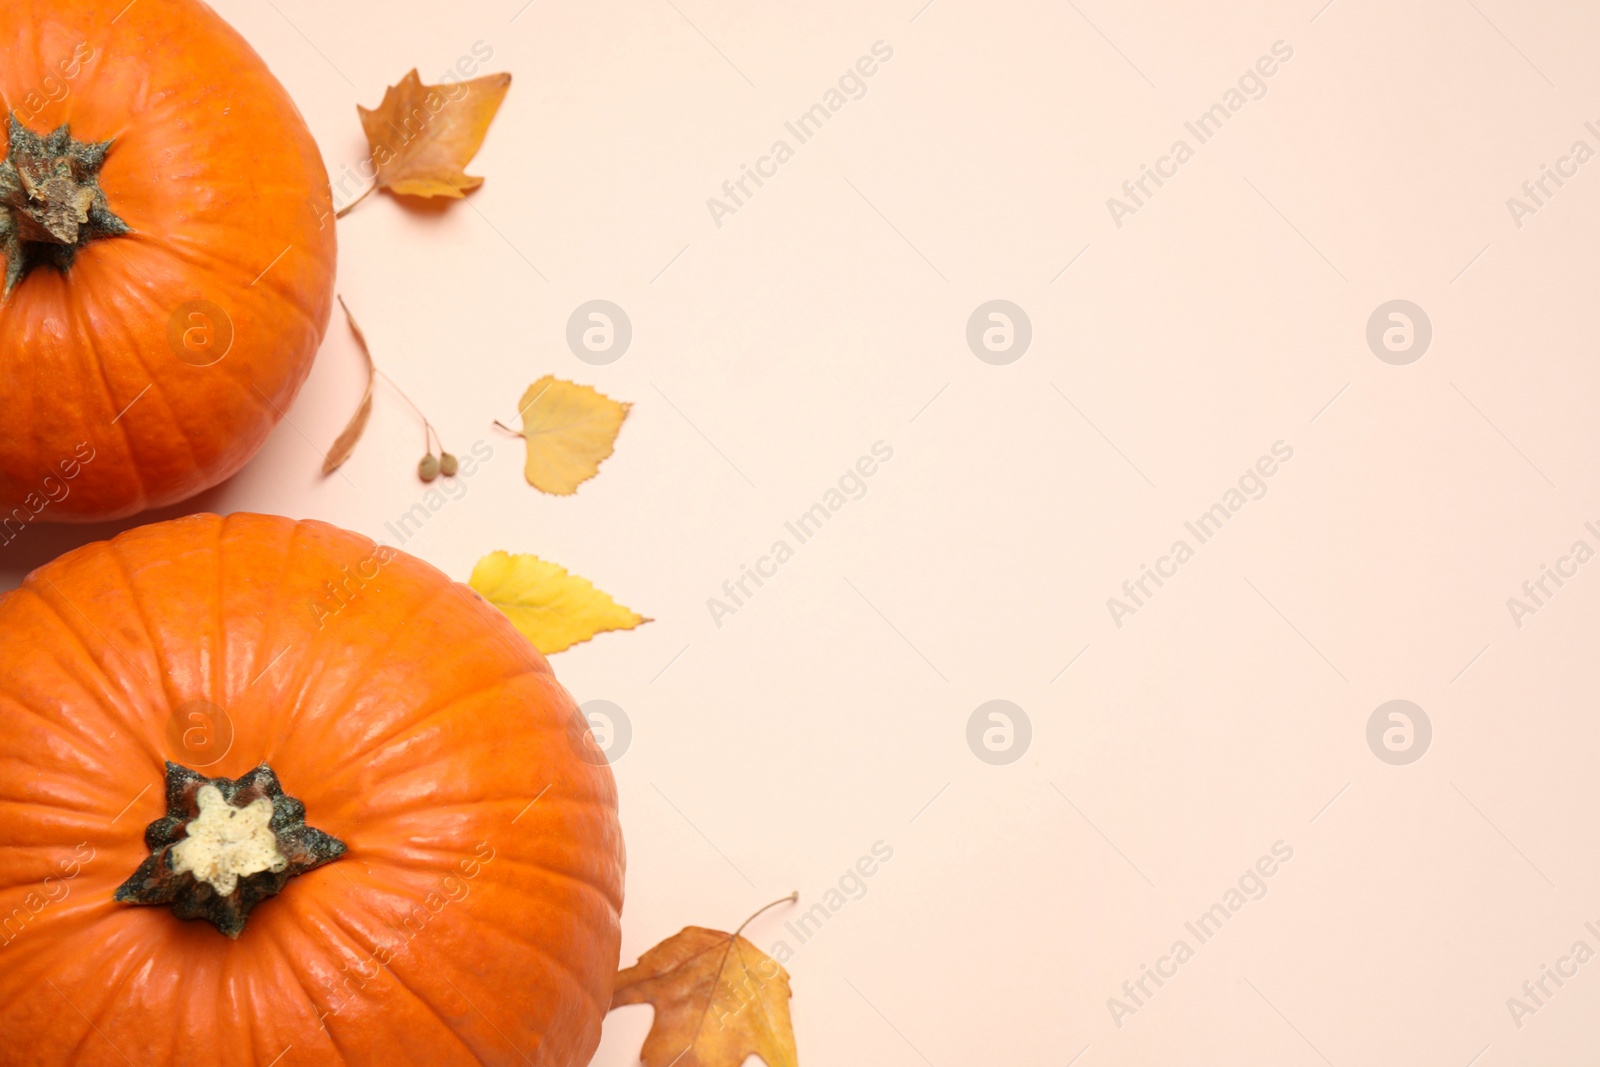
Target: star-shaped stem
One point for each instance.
(224, 846)
(51, 204)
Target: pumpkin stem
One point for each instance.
(51, 204)
(224, 846)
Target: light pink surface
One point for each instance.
(1169, 353)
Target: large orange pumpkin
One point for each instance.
(444, 889)
(167, 228)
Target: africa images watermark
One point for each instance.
(1203, 528)
(1251, 85)
(852, 85)
(852, 485)
(851, 886)
(1536, 992)
(56, 85)
(338, 592)
(1537, 192)
(407, 926)
(53, 889)
(408, 526)
(53, 489)
(1537, 591)
(1252, 885)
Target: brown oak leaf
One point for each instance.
(718, 1001)
(422, 136)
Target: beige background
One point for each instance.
(1229, 313)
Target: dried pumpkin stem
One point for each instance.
(224, 846)
(51, 204)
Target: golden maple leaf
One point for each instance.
(550, 607)
(422, 136)
(570, 430)
(718, 1000)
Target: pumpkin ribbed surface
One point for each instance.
(474, 917)
(168, 353)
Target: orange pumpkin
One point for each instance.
(444, 888)
(167, 228)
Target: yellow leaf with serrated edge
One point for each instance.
(570, 430)
(552, 608)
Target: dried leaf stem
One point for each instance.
(431, 466)
(342, 212)
(792, 898)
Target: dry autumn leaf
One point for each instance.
(431, 466)
(422, 136)
(346, 441)
(570, 430)
(552, 608)
(718, 1000)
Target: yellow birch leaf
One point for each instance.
(570, 430)
(550, 607)
(422, 136)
